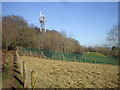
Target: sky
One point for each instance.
(87, 22)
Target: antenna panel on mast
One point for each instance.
(42, 20)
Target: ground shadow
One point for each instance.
(15, 63)
(16, 71)
(15, 66)
(13, 88)
(19, 81)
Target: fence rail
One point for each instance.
(68, 57)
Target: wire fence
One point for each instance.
(33, 78)
(50, 54)
(28, 76)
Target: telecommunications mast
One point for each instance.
(42, 20)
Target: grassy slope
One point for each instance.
(95, 54)
(62, 74)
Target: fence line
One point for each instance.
(28, 76)
(44, 53)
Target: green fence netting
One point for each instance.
(74, 57)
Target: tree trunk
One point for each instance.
(6, 47)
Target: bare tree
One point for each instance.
(114, 36)
(25, 37)
(103, 50)
(15, 31)
(9, 31)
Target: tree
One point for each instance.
(9, 31)
(114, 40)
(114, 52)
(19, 21)
(17, 32)
(103, 50)
(114, 36)
(25, 37)
(90, 49)
(11, 27)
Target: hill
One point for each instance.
(95, 54)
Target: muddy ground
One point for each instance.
(64, 74)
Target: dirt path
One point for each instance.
(10, 81)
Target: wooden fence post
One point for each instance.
(24, 74)
(63, 57)
(33, 79)
(29, 53)
(74, 59)
(114, 62)
(39, 54)
(59, 56)
(34, 54)
(95, 60)
(21, 68)
(52, 56)
(85, 60)
(25, 53)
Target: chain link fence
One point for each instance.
(50, 54)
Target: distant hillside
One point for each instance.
(95, 54)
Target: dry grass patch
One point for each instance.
(64, 74)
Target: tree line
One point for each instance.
(17, 32)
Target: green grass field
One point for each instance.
(95, 54)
